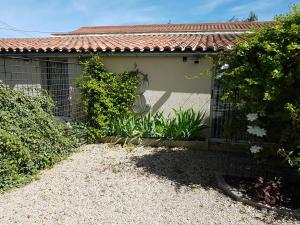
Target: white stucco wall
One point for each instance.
(172, 82)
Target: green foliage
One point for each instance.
(31, 138)
(108, 99)
(264, 76)
(252, 17)
(184, 125)
(153, 125)
(106, 95)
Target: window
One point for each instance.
(58, 87)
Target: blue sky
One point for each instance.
(67, 15)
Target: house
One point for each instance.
(172, 60)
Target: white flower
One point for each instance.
(69, 125)
(252, 116)
(255, 149)
(225, 67)
(219, 76)
(255, 130)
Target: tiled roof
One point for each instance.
(169, 28)
(121, 43)
(190, 40)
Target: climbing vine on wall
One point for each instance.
(262, 78)
(106, 95)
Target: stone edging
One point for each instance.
(154, 142)
(225, 187)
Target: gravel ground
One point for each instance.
(105, 184)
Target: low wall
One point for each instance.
(196, 145)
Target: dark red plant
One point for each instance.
(269, 192)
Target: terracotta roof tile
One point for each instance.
(166, 37)
(136, 43)
(168, 28)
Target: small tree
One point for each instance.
(263, 79)
(252, 17)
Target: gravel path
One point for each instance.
(106, 184)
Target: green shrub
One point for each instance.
(184, 125)
(31, 138)
(263, 79)
(106, 96)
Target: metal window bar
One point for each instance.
(58, 87)
(57, 77)
(222, 114)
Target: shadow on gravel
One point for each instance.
(193, 167)
(184, 167)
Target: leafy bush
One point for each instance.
(31, 138)
(263, 78)
(184, 125)
(106, 95)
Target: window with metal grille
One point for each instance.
(58, 87)
(220, 111)
(227, 121)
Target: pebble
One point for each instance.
(106, 184)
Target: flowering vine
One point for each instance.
(256, 131)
